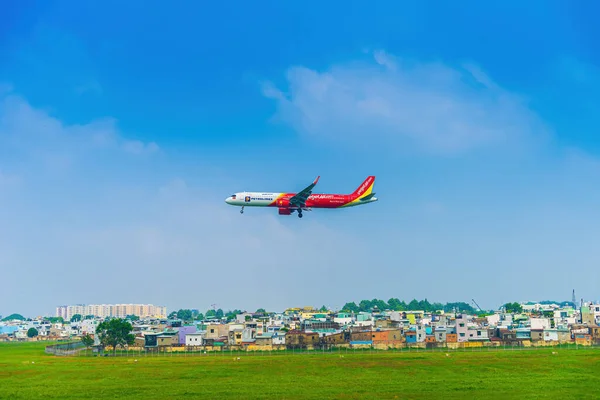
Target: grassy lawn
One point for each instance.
(27, 373)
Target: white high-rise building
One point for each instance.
(112, 310)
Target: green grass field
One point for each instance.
(26, 372)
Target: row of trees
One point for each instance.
(395, 304)
(188, 315)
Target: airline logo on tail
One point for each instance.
(366, 187)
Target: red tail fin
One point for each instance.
(365, 189)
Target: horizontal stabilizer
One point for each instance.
(368, 197)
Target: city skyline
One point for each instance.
(119, 142)
(67, 311)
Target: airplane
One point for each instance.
(288, 203)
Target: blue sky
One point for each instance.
(124, 126)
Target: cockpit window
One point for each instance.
(233, 197)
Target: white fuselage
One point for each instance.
(253, 199)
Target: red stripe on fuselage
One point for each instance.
(315, 200)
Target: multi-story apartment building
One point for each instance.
(112, 310)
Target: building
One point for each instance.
(112, 310)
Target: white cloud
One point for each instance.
(35, 133)
(402, 103)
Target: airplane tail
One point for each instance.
(365, 190)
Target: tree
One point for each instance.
(17, 317)
(513, 308)
(396, 305)
(132, 318)
(76, 318)
(87, 340)
(115, 332)
(413, 305)
(173, 315)
(55, 320)
(185, 315)
(230, 315)
(32, 332)
(199, 317)
(260, 311)
(350, 307)
(380, 304)
(323, 309)
(460, 307)
(364, 305)
(219, 314)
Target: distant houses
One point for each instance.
(310, 329)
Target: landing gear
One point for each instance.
(242, 210)
(299, 213)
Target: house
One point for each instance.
(392, 336)
(214, 331)
(440, 334)
(462, 330)
(539, 323)
(279, 338)
(296, 339)
(343, 318)
(564, 334)
(337, 338)
(386, 323)
(429, 339)
(235, 336)
(587, 316)
(477, 334)
(523, 333)
(550, 335)
(183, 331)
(264, 339)
(248, 335)
(537, 335)
(506, 335)
(243, 317)
(168, 338)
(364, 319)
(421, 332)
(493, 319)
(595, 332)
(194, 339)
(361, 336)
(151, 340)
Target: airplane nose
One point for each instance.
(228, 200)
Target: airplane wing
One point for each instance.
(299, 199)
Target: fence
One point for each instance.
(65, 349)
(77, 349)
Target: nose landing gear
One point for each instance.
(242, 210)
